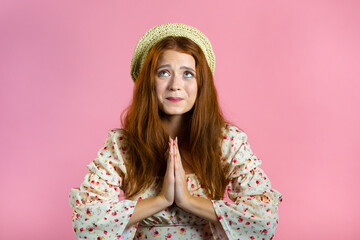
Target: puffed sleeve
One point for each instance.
(253, 214)
(97, 211)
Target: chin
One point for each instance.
(174, 112)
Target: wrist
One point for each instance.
(162, 201)
(187, 204)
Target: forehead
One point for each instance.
(176, 57)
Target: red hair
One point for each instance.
(148, 140)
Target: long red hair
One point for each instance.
(148, 140)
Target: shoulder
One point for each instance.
(118, 144)
(232, 135)
(232, 139)
(117, 136)
(116, 132)
(235, 148)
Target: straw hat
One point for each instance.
(155, 34)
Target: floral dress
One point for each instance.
(252, 213)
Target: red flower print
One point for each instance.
(252, 238)
(156, 233)
(264, 231)
(169, 235)
(240, 219)
(192, 185)
(81, 229)
(88, 211)
(105, 232)
(114, 213)
(90, 229)
(182, 229)
(247, 223)
(268, 223)
(98, 238)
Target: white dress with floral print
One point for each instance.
(252, 212)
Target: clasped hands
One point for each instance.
(174, 188)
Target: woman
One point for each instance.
(175, 156)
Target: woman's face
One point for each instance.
(175, 82)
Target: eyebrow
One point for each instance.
(182, 67)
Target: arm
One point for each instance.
(146, 208)
(253, 213)
(198, 206)
(97, 210)
(149, 206)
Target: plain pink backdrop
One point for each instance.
(287, 72)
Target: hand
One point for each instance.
(167, 190)
(182, 195)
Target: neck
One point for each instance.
(172, 124)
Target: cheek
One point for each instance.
(192, 90)
(159, 88)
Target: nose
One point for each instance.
(175, 83)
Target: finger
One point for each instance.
(174, 148)
(169, 158)
(170, 163)
(178, 153)
(171, 149)
(172, 152)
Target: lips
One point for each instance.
(174, 99)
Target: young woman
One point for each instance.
(175, 156)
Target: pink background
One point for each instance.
(287, 72)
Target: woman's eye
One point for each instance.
(188, 74)
(163, 74)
